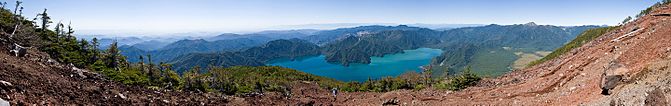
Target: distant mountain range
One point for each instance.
(332, 26)
(328, 36)
(255, 56)
(182, 47)
(164, 50)
(466, 46)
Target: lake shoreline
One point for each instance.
(388, 65)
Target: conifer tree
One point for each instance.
(150, 70)
(84, 46)
(70, 31)
(626, 20)
(141, 63)
(113, 56)
(59, 30)
(46, 20)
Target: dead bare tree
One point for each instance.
(18, 3)
(3, 4)
(17, 17)
(17, 49)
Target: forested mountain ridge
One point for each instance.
(530, 35)
(255, 56)
(472, 46)
(328, 36)
(359, 48)
(183, 47)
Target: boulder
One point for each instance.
(4, 102)
(390, 102)
(4, 85)
(80, 72)
(18, 50)
(610, 82)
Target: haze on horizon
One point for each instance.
(177, 16)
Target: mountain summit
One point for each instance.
(530, 24)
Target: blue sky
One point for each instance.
(169, 16)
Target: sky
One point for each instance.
(177, 16)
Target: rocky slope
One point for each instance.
(37, 79)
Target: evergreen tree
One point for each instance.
(626, 20)
(94, 43)
(46, 20)
(95, 54)
(84, 45)
(112, 59)
(141, 62)
(70, 32)
(150, 70)
(59, 31)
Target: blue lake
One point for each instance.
(380, 67)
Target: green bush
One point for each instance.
(195, 81)
(128, 76)
(461, 81)
(246, 79)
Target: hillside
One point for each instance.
(183, 47)
(255, 56)
(492, 49)
(34, 79)
(39, 78)
(359, 48)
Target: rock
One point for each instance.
(390, 102)
(3, 102)
(609, 82)
(122, 96)
(18, 50)
(80, 72)
(52, 62)
(5, 83)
